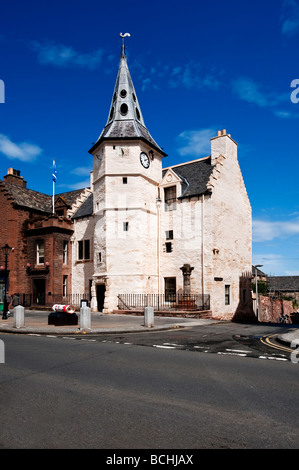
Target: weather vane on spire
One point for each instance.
(123, 36)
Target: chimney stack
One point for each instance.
(224, 145)
(14, 177)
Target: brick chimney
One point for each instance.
(14, 177)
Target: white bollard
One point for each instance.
(85, 322)
(149, 316)
(19, 316)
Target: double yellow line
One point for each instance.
(267, 342)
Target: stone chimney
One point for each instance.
(223, 144)
(14, 177)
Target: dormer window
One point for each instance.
(170, 198)
(123, 93)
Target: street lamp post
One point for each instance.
(6, 250)
(256, 291)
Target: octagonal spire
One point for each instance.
(125, 120)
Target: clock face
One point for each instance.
(145, 161)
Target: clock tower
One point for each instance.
(127, 170)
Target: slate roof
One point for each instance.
(284, 283)
(34, 200)
(195, 176)
(70, 196)
(120, 130)
(259, 272)
(86, 209)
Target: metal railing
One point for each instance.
(28, 300)
(162, 302)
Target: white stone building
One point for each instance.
(148, 230)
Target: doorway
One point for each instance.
(39, 291)
(101, 288)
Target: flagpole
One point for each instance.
(53, 196)
(54, 173)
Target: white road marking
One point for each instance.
(232, 354)
(239, 351)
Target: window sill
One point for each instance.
(82, 261)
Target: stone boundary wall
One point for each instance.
(270, 310)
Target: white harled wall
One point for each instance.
(212, 232)
(130, 256)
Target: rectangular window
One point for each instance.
(168, 246)
(170, 289)
(65, 251)
(40, 252)
(84, 249)
(170, 198)
(64, 286)
(125, 180)
(169, 235)
(227, 295)
(80, 249)
(126, 226)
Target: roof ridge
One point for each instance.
(187, 163)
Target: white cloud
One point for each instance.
(195, 142)
(266, 230)
(24, 151)
(248, 90)
(190, 76)
(81, 170)
(286, 114)
(272, 263)
(290, 18)
(65, 56)
(79, 185)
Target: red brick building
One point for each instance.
(39, 264)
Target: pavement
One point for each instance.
(36, 322)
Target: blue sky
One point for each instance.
(197, 67)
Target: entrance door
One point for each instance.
(100, 296)
(39, 291)
(2, 293)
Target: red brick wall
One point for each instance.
(53, 256)
(12, 232)
(21, 229)
(270, 310)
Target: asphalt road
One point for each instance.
(112, 393)
(226, 338)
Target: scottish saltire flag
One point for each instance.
(54, 172)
